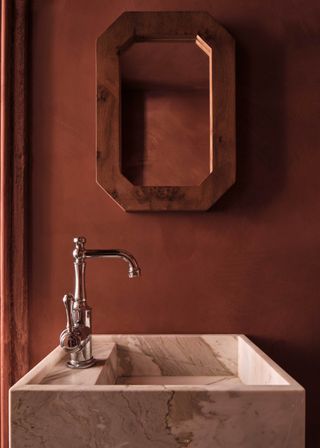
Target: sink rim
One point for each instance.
(39, 371)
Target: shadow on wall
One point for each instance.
(260, 118)
(42, 136)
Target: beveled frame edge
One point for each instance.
(150, 198)
(14, 343)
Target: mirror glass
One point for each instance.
(165, 113)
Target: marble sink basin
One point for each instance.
(160, 391)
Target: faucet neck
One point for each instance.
(80, 281)
(79, 270)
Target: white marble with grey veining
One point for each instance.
(156, 391)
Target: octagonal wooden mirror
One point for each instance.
(165, 111)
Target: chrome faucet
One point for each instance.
(76, 337)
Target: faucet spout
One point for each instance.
(76, 338)
(133, 271)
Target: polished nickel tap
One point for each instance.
(76, 338)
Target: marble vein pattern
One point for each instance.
(156, 391)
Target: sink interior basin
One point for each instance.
(203, 360)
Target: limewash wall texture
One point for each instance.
(251, 264)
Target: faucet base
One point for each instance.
(74, 364)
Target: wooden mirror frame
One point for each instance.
(218, 44)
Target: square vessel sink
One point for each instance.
(160, 391)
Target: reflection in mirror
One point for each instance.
(165, 113)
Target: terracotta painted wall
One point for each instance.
(250, 265)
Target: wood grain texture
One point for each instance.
(13, 197)
(217, 42)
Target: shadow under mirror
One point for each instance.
(165, 112)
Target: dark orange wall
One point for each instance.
(252, 264)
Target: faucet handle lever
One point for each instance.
(68, 300)
(70, 339)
